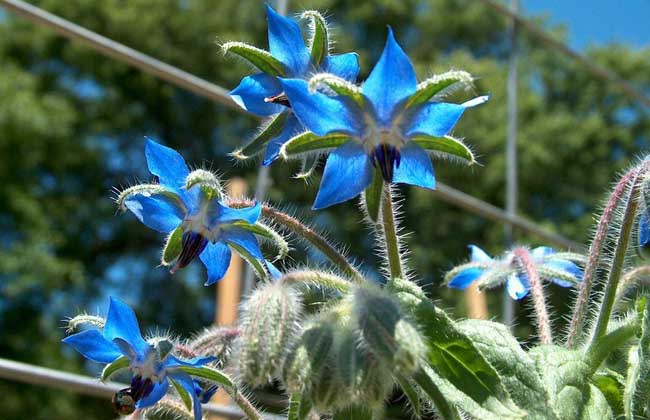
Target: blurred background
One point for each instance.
(72, 123)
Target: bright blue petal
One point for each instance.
(273, 271)
(172, 361)
(478, 255)
(159, 391)
(291, 128)
(286, 43)
(320, 113)
(437, 118)
(92, 345)
(465, 278)
(122, 323)
(391, 81)
(644, 228)
(347, 173)
(244, 239)
(343, 65)
(216, 258)
(187, 382)
(517, 286)
(220, 213)
(415, 168)
(155, 211)
(540, 252)
(567, 266)
(167, 164)
(252, 91)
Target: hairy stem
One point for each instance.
(537, 292)
(243, 403)
(614, 340)
(593, 260)
(614, 277)
(390, 233)
(296, 227)
(317, 278)
(630, 279)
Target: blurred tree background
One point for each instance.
(72, 124)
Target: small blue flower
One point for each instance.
(262, 93)
(517, 284)
(380, 126)
(151, 371)
(209, 226)
(643, 233)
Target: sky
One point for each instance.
(596, 21)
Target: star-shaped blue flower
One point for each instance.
(380, 123)
(209, 227)
(262, 93)
(517, 283)
(151, 373)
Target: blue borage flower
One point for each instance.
(153, 366)
(558, 268)
(262, 93)
(198, 223)
(385, 124)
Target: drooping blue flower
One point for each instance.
(380, 120)
(262, 93)
(209, 227)
(550, 267)
(643, 233)
(151, 367)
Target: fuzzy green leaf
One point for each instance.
(271, 130)
(120, 363)
(261, 59)
(208, 374)
(637, 389)
(447, 145)
(254, 262)
(439, 85)
(612, 385)
(173, 246)
(372, 195)
(185, 397)
(319, 43)
(309, 142)
(339, 85)
(596, 407)
(411, 394)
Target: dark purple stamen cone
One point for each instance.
(280, 99)
(192, 245)
(140, 388)
(387, 157)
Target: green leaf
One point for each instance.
(272, 129)
(353, 412)
(173, 246)
(266, 232)
(517, 370)
(309, 142)
(208, 374)
(254, 262)
(411, 394)
(206, 181)
(338, 85)
(319, 43)
(597, 406)
(439, 85)
(637, 388)
(372, 195)
(294, 407)
(612, 386)
(457, 360)
(149, 190)
(185, 397)
(447, 145)
(261, 59)
(120, 363)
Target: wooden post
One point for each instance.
(475, 303)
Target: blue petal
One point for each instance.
(92, 345)
(644, 228)
(172, 361)
(290, 129)
(415, 168)
(216, 258)
(517, 286)
(465, 278)
(159, 391)
(347, 173)
(220, 213)
(567, 266)
(478, 255)
(121, 323)
(320, 113)
(155, 211)
(167, 164)
(273, 271)
(541, 251)
(252, 91)
(437, 118)
(286, 43)
(187, 382)
(391, 81)
(343, 65)
(244, 239)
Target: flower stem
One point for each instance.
(614, 277)
(537, 292)
(296, 227)
(593, 260)
(390, 233)
(243, 403)
(614, 340)
(630, 279)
